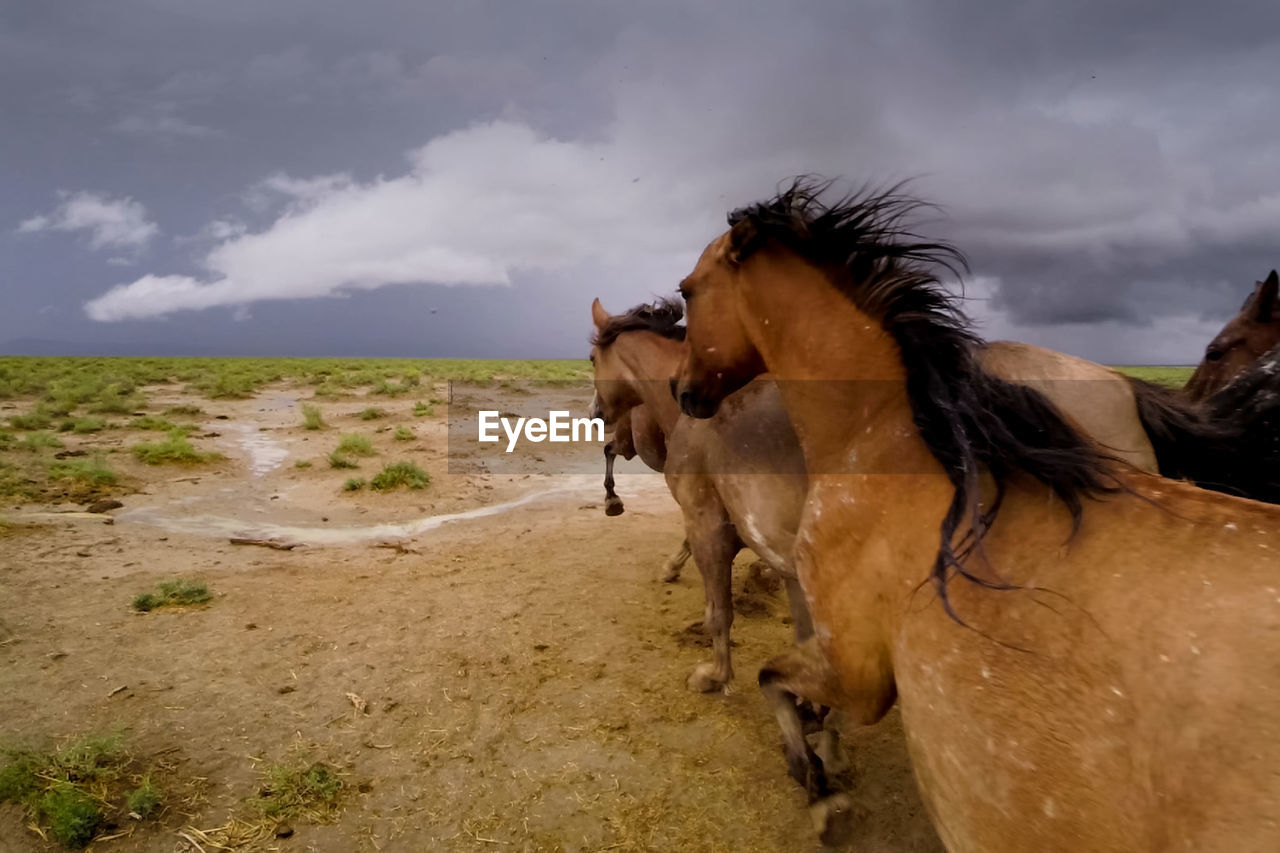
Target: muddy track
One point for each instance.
(522, 665)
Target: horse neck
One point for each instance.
(653, 360)
(840, 373)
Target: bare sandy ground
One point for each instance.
(523, 668)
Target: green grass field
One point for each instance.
(1174, 377)
(109, 385)
(96, 386)
(63, 398)
(60, 398)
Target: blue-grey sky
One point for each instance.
(461, 179)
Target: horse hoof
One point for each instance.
(613, 506)
(670, 573)
(702, 680)
(833, 818)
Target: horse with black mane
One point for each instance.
(1104, 675)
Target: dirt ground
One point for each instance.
(523, 667)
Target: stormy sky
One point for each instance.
(460, 179)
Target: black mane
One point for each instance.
(970, 420)
(661, 317)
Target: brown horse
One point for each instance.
(1245, 339)
(636, 433)
(635, 354)
(646, 440)
(1095, 667)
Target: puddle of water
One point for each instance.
(222, 526)
(276, 402)
(264, 453)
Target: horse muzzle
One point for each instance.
(693, 400)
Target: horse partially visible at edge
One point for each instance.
(1247, 337)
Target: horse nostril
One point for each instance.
(675, 395)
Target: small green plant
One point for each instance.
(311, 417)
(171, 594)
(337, 460)
(403, 433)
(294, 790)
(6, 439)
(302, 463)
(66, 791)
(13, 483)
(354, 484)
(356, 444)
(81, 426)
(372, 414)
(72, 815)
(422, 410)
(118, 399)
(89, 472)
(398, 474)
(145, 799)
(37, 418)
(176, 449)
(34, 441)
(151, 422)
(184, 410)
(327, 390)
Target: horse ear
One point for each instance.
(598, 315)
(744, 238)
(1265, 305)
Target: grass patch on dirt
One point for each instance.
(176, 593)
(34, 441)
(93, 473)
(158, 424)
(340, 462)
(118, 398)
(13, 483)
(74, 792)
(300, 789)
(372, 413)
(423, 410)
(302, 463)
(355, 444)
(175, 450)
(354, 484)
(186, 409)
(397, 474)
(312, 417)
(37, 418)
(82, 426)
(403, 433)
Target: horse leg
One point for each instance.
(800, 686)
(714, 543)
(612, 503)
(801, 621)
(671, 568)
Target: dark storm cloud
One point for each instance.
(1109, 168)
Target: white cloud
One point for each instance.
(215, 231)
(119, 223)
(161, 126)
(475, 207)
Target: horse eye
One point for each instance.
(1214, 355)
